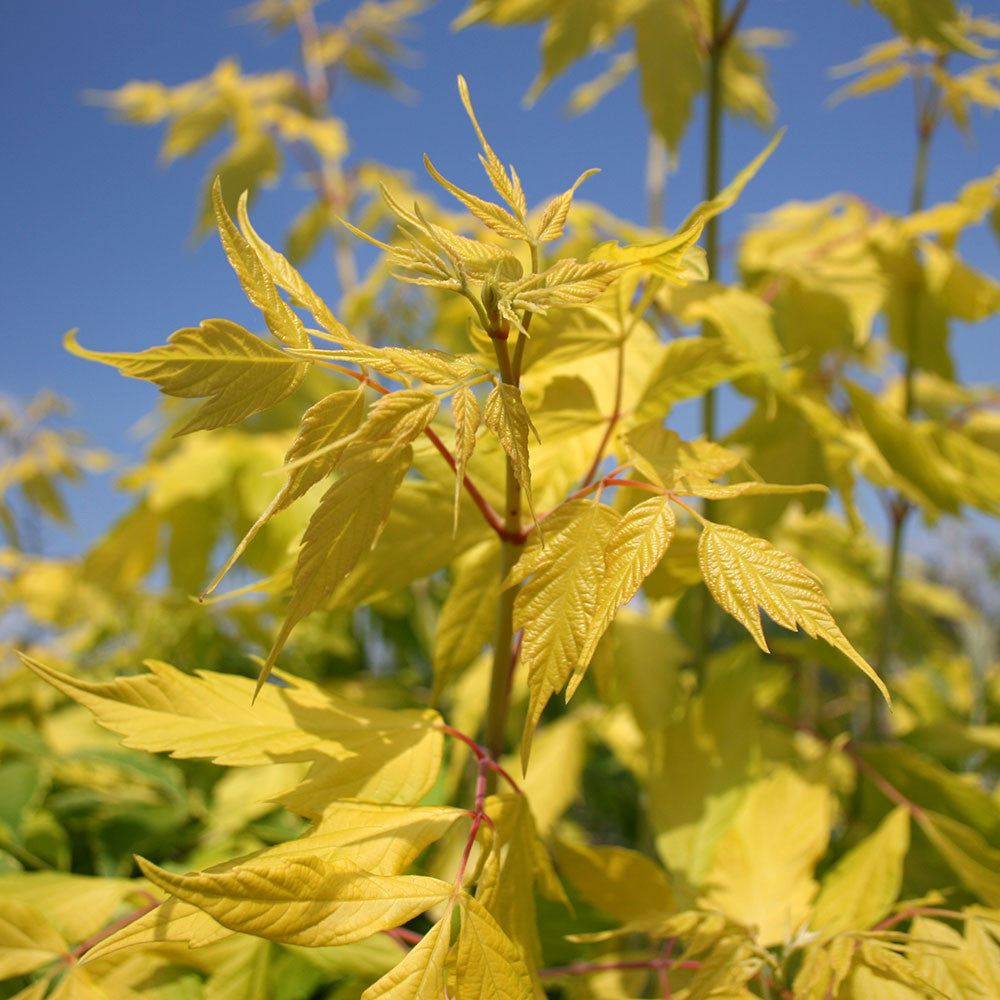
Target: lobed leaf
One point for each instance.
(281, 320)
(304, 900)
(488, 965)
(421, 973)
(237, 373)
(744, 572)
(330, 420)
(346, 524)
(507, 417)
(634, 548)
(556, 604)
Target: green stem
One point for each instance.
(713, 169)
(503, 646)
(900, 507)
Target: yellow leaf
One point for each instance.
(331, 419)
(550, 225)
(509, 188)
(669, 85)
(761, 873)
(77, 906)
(27, 939)
(303, 900)
(633, 550)
(744, 572)
(491, 215)
(465, 410)
(383, 754)
(237, 373)
(347, 523)
(421, 974)
(506, 416)
(627, 885)
(556, 604)
(689, 366)
(968, 854)
(667, 257)
(864, 884)
(285, 276)
(432, 367)
(281, 320)
(488, 966)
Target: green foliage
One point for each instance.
(715, 807)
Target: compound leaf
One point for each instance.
(744, 572)
(556, 605)
(234, 371)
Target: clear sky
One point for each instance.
(97, 232)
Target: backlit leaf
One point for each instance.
(488, 966)
(303, 900)
(864, 884)
(356, 751)
(422, 972)
(550, 225)
(347, 523)
(236, 372)
(761, 879)
(556, 604)
(27, 939)
(634, 548)
(281, 320)
(332, 419)
(465, 410)
(744, 572)
(506, 416)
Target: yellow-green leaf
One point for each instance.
(27, 939)
(468, 615)
(236, 372)
(489, 214)
(762, 870)
(506, 416)
(975, 862)
(422, 972)
(557, 603)
(745, 573)
(332, 419)
(466, 413)
(287, 277)
(633, 550)
(488, 965)
(550, 225)
(281, 319)
(304, 900)
(347, 523)
(377, 753)
(864, 884)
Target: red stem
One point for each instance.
(481, 755)
(493, 519)
(84, 946)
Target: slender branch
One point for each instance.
(331, 176)
(84, 946)
(481, 754)
(522, 339)
(900, 506)
(493, 519)
(512, 542)
(713, 167)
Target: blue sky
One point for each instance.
(98, 233)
